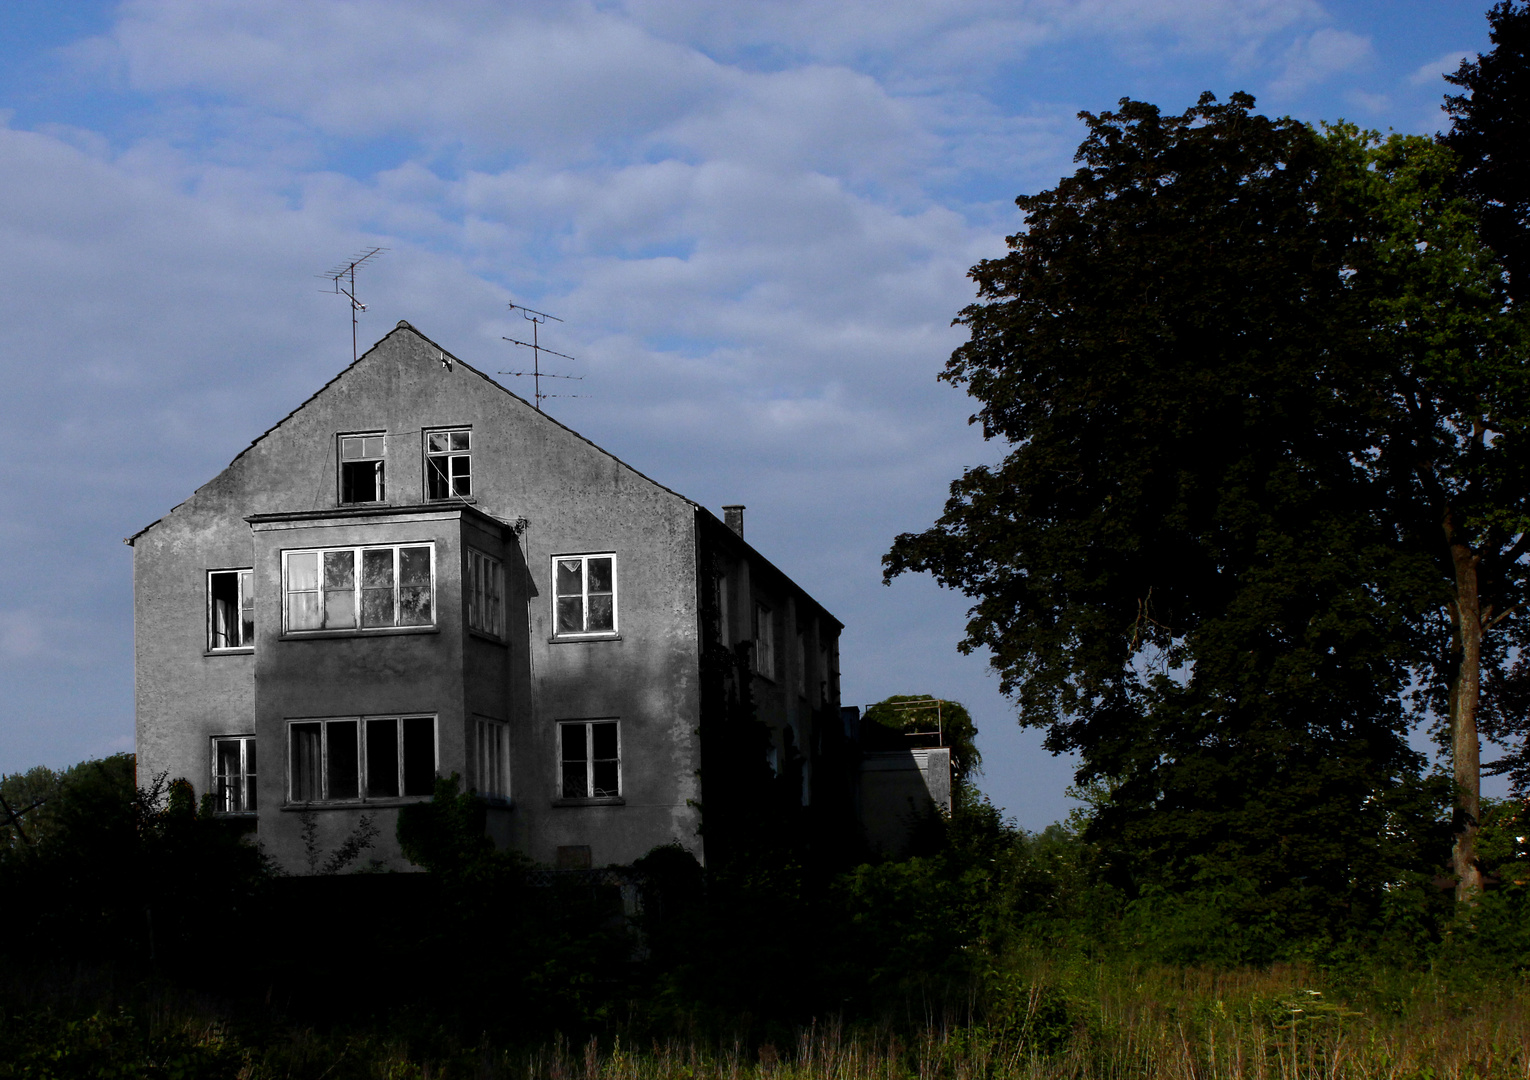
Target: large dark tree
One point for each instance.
(1230, 368)
(1490, 134)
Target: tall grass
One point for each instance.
(1110, 1022)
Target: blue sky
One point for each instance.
(756, 219)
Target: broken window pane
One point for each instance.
(584, 591)
(382, 759)
(342, 772)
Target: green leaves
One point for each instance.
(1245, 370)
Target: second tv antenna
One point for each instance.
(344, 277)
(536, 319)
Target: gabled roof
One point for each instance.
(403, 326)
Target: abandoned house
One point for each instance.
(416, 574)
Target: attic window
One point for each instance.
(361, 468)
(448, 464)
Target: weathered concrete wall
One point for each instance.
(899, 787)
(367, 674)
(573, 498)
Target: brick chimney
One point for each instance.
(733, 517)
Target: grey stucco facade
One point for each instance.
(361, 644)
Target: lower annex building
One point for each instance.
(416, 573)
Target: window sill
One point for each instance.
(575, 639)
(355, 804)
(243, 650)
(469, 499)
(484, 635)
(379, 631)
(613, 801)
(362, 505)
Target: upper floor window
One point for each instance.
(361, 468)
(230, 609)
(584, 594)
(360, 588)
(234, 774)
(765, 641)
(484, 583)
(448, 464)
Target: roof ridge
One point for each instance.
(403, 324)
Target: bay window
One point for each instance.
(361, 757)
(358, 588)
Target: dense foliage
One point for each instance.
(1489, 131)
(1269, 476)
(992, 948)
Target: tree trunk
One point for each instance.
(1464, 746)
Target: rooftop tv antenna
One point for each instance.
(344, 277)
(536, 319)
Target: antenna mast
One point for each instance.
(536, 319)
(344, 277)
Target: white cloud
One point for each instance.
(756, 218)
(1320, 56)
(1434, 72)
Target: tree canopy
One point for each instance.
(910, 713)
(1489, 132)
(1264, 412)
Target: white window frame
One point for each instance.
(447, 456)
(245, 600)
(245, 793)
(483, 588)
(379, 460)
(764, 641)
(589, 760)
(584, 578)
(356, 590)
(492, 758)
(361, 723)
